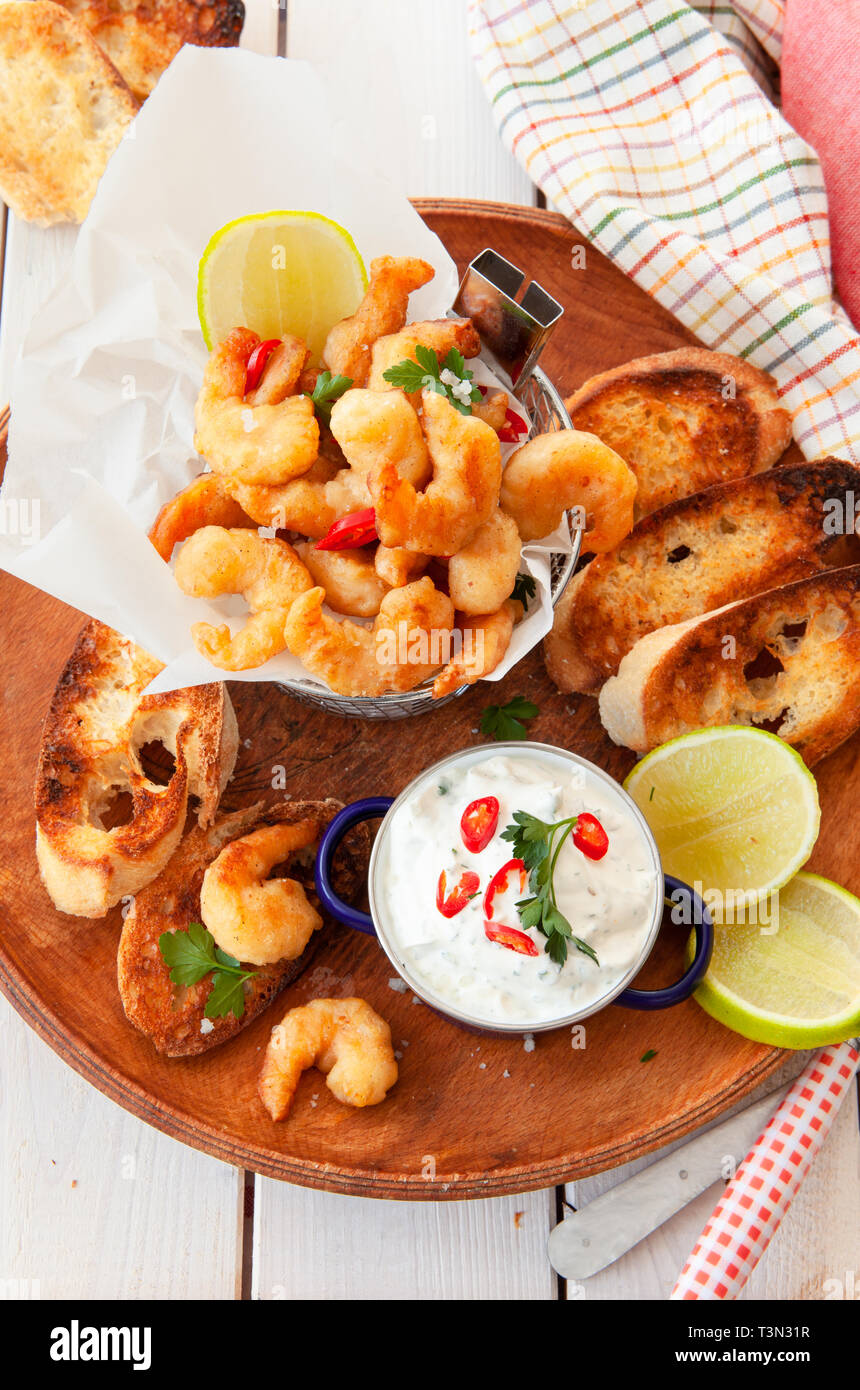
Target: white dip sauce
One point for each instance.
(608, 902)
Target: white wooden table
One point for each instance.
(95, 1204)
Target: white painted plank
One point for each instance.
(402, 73)
(260, 30)
(316, 1245)
(96, 1204)
(818, 1240)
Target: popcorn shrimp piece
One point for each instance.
(569, 468)
(204, 502)
(308, 505)
(382, 311)
(345, 1039)
(265, 571)
(265, 443)
(409, 640)
(482, 574)
(396, 566)
(462, 494)
(486, 638)
(352, 585)
(373, 427)
(440, 335)
(255, 918)
(493, 410)
(282, 372)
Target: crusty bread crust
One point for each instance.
(684, 420)
(142, 37)
(63, 109)
(723, 544)
(97, 723)
(171, 1016)
(787, 660)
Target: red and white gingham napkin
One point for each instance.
(762, 1190)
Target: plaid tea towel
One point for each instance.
(651, 125)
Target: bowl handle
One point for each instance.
(371, 808)
(676, 892)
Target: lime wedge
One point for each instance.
(734, 810)
(277, 273)
(797, 982)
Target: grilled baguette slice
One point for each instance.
(787, 660)
(731, 541)
(171, 1016)
(684, 420)
(63, 110)
(143, 36)
(98, 722)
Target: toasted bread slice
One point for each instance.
(787, 660)
(98, 722)
(63, 109)
(142, 37)
(171, 1016)
(684, 420)
(731, 541)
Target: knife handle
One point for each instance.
(764, 1186)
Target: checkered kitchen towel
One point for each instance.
(651, 125)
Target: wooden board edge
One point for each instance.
(77, 1053)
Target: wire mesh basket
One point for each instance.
(547, 411)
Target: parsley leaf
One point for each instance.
(327, 390)
(646, 1056)
(192, 955)
(426, 372)
(538, 844)
(503, 722)
(524, 589)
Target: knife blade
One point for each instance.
(588, 1240)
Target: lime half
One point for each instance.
(278, 273)
(796, 982)
(734, 812)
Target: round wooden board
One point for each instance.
(472, 1115)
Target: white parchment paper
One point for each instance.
(103, 397)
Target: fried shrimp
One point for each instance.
(486, 638)
(556, 472)
(461, 495)
(482, 574)
(266, 572)
(258, 919)
(345, 1039)
(204, 502)
(409, 640)
(397, 566)
(382, 311)
(440, 335)
(269, 442)
(282, 372)
(308, 505)
(372, 427)
(493, 409)
(352, 585)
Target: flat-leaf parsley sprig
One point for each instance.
(450, 379)
(192, 954)
(538, 844)
(504, 722)
(327, 390)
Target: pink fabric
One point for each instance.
(820, 99)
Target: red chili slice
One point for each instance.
(510, 937)
(499, 882)
(351, 531)
(467, 885)
(478, 823)
(589, 836)
(257, 363)
(513, 427)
